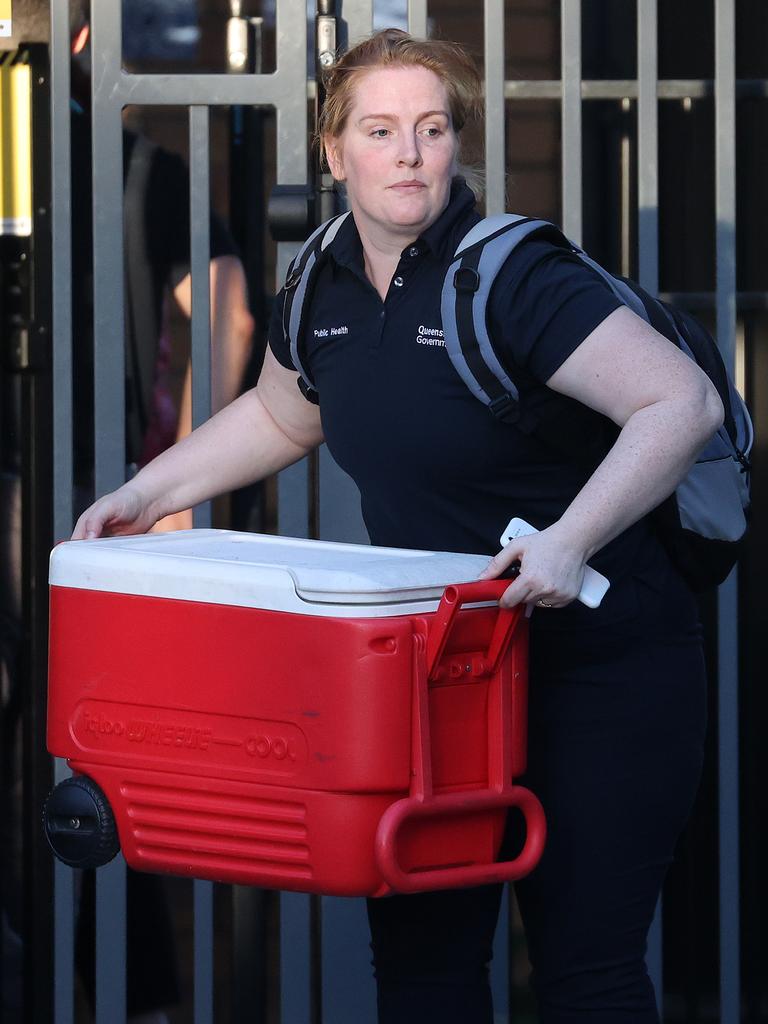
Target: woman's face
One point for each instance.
(397, 153)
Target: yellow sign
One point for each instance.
(15, 149)
(5, 17)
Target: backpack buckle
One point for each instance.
(309, 392)
(505, 408)
(466, 279)
(292, 279)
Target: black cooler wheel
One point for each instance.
(79, 824)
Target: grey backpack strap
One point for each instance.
(298, 291)
(623, 291)
(468, 282)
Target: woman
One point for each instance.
(617, 694)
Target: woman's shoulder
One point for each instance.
(539, 264)
(544, 302)
(543, 253)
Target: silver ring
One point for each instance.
(543, 604)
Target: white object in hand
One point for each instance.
(594, 585)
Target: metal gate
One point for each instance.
(323, 952)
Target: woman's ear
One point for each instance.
(333, 156)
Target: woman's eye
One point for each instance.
(380, 133)
(432, 132)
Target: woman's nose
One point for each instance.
(409, 151)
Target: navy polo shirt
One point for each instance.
(435, 469)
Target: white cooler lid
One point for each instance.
(261, 571)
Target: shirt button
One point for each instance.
(413, 251)
(398, 282)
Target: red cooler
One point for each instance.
(292, 714)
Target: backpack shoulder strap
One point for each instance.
(478, 259)
(298, 292)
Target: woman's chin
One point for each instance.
(410, 210)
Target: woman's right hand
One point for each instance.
(124, 511)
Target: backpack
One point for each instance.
(703, 522)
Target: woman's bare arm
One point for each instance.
(667, 409)
(261, 432)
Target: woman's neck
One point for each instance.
(381, 256)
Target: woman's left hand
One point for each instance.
(551, 570)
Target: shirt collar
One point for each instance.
(443, 235)
(346, 248)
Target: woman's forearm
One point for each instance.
(657, 445)
(263, 431)
(240, 444)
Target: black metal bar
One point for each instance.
(315, 960)
(249, 953)
(37, 512)
(63, 471)
(203, 951)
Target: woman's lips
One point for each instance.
(408, 186)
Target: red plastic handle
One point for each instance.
(459, 803)
(453, 598)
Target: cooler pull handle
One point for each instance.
(453, 598)
(457, 804)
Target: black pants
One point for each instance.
(616, 729)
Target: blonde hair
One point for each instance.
(394, 48)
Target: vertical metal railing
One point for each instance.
(495, 139)
(109, 419)
(495, 203)
(336, 936)
(417, 18)
(200, 263)
(108, 247)
(63, 474)
(112, 89)
(727, 605)
(570, 21)
(648, 275)
(647, 145)
(322, 939)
